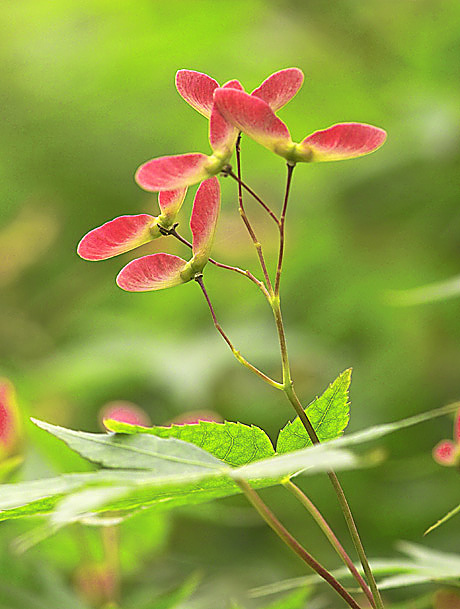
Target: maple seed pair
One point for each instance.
(230, 110)
(199, 90)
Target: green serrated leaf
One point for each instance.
(182, 486)
(135, 451)
(329, 414)
(233, 443)
(444, 519)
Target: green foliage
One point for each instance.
(180, 473)
(167, 600)
(294, 600)
(422, 565)
(329, 414)
(233, 443)
(45, 588)
(135, 451)
(74, 496)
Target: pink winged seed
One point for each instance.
(197, 89)
(153, 272)
(8, 416)
(116, 237)
(252, 116)
(444, 452)
(170, 201)
(222, 134)
(204, 216)
(280, 87)
(344, 141)
(233, 84)
(172, 172)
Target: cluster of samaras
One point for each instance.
(229, 110)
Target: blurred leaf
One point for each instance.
(131, 489)
(8, 466)
(434, 292)
(296, 600)
(233, 443)
(444, 519)
(423, 566)
(172, 598)
(46, 589)
(329, 414)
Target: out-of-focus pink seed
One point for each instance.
(10, 432)
(125, 412)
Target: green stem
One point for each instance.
(329, 533)
(292, 543)
(288, 388)
(236, 353)
(346, 510)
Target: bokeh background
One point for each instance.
(87, 94)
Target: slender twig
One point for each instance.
(346, 510)
(282, 222)
(329, 533)
(253, 194)
(292, 543)
(288, 388)
(236, 353)
(245, 219)
(173, 232)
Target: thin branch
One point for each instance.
(282, 223)
(248, 189)
(173, 232)
(329, 533)
(346, 510)
(236, 353)
(292, 542)
(245, 219)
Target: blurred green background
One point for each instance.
(87, 95)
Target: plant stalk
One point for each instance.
(173, 232)
(245, 219)
(329, 533)
(236, 353)
(288, 388)
(282, 226)
(292, 543)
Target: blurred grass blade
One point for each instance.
(442, 290)
(444, 519)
